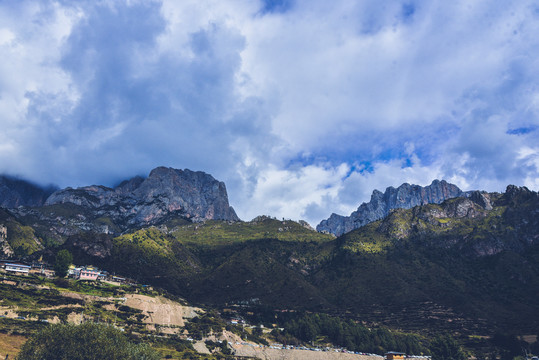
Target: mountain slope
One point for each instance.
(469, 263)
(405, 196)
(17, 239)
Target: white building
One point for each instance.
(18, 268)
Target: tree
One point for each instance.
(257, 331)
(88, 341)
(446, 348)
(63, 260)
(224, 348)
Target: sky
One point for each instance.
(302, 107)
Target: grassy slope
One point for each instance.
(152, 256)
(22, 239)
(272, 271)
(219, 262)
(264, 260)
(217, 233)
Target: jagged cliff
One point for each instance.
(138, 201)
(166, 193)
(405, 196)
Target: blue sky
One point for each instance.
(301, 107)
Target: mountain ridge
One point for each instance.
(468, 258)
(166, 193)
(405, 196)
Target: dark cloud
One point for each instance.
(139, 106)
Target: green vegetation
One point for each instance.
(151, 256)
(172, 347)
(217, 233)
(452, 268)
(87, 341)
(31, 297)
(323, 329)
(446, 348)
(41, 301)
(205, 325)
(396, 271)
(22, 239)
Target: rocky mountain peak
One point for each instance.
(128, 186)
(404, 197)
(514, 194)
(139, 201)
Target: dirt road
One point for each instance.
(295, 354)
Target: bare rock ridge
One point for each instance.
(192, 194)
(405, 196)
(166, 194)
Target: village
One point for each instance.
(241, 348)
(40, 268)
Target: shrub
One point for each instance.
(88, 341)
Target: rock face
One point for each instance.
(5, 249)
(15, 193)
(405, 196)
(166, 191)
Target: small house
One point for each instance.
(48, 272)
(393, 355)
(119, 279)
(18, 268)
(73, 271)
(88, 274)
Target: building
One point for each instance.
(88, 274)
(393, 355)
(73, 271)
(48, 272)
(118, 279)
(18, 268)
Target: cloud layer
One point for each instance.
(301, 107)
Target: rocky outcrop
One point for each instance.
(405, 196)
(5, 248)
(190, 194)
(15, 193)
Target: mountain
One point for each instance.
(467, 264)
(405, 196)
(195, 195)
(165, 194)
(470, 263)
(16, 192)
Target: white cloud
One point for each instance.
(287, 193)
(302, 111)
